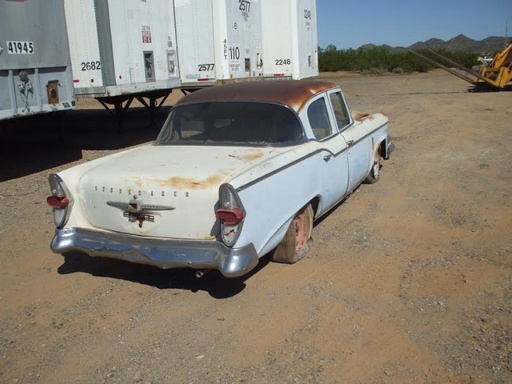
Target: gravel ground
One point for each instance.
(409, 280)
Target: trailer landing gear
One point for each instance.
(121, 103)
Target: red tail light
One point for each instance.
(230, 216)
(57, 202)
(60, 200)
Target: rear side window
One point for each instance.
(319, 119)
(191, 123)
(340, 110)
(231, 122)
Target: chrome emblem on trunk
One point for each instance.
(136, 210)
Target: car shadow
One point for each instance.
(41, 142)
(211, 281)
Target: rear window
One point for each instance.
(223, 123)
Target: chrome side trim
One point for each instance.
(254, 181)
(162, 253)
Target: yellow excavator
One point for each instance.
(497, 74)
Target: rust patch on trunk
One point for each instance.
(179, 182)
(189, 183)
(252, 156)
(134, 182)
(249, 157)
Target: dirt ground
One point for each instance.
(409, 280)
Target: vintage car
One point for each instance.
(238, 171)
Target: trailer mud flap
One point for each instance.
(52, 91)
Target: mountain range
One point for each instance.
(458, 43)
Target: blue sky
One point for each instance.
(352, 23)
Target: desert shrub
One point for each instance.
(371, 71)
(382, 59)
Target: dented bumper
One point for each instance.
(162, 253)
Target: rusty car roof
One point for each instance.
(294, 93)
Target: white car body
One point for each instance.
(172, 204)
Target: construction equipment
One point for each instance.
(499, 71)
(496, 74)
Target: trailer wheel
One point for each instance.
(295, 244)
(374, 174)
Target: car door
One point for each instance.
(359, 144)
(332, 153)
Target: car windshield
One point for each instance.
(228, 123)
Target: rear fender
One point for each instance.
(278, 236)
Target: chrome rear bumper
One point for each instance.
(162, 253)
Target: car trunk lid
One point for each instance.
(163, 191)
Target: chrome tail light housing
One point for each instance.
(230, 213)
(60, 200)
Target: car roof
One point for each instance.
(293, 93)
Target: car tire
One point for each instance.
(296, 241)
(374, 174)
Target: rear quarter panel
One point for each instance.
(274, 192)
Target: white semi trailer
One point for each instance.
(232, 40)
(290, 41)
(218, 41)
(35, 66)
(123, 49)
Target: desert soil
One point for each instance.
(409, 280)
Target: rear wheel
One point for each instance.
(295, 244)
(374, 174)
